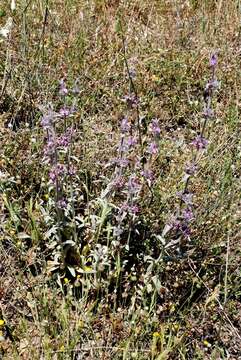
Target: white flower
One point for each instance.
(13, 5)
(4, 31)
(3, 175)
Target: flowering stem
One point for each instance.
(132, 89)
(184, 213)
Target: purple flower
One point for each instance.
(132, 73)
(76, 89)
(48, 119)
(63, 90)
(187, 214)
(117, 231)
(133, 184)
(72, 170)
(210, 86)
(147, 174)
(123, 162)
(155, 128)
(61, 204)
(131, 100)
(191, 169)
(175, 223)
(208, 113)
(56, 171)
(118, 182)
(186, 197)
(153, 148)
(134, 209)
(64, 112)
(131, 141)
(213, 60)
(124, 147)
(64, 141)
(199, 142)
(186, 231)
(49, 148)
(182, 226)
(125, 125)
(126, 144)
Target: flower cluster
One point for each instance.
(155, 128)
(57, 171)
(58, 142)
(133, 164)
(131, 100)
(130, 173)
(154, 132)
(200, 142)
(63, 89)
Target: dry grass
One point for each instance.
(195, 314)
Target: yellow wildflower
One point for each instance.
(155, 78)
(206, 343)
(176, 326)
(1, 336)
(80, 324)
(87, 268)
(172, 308)
(2, 322)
